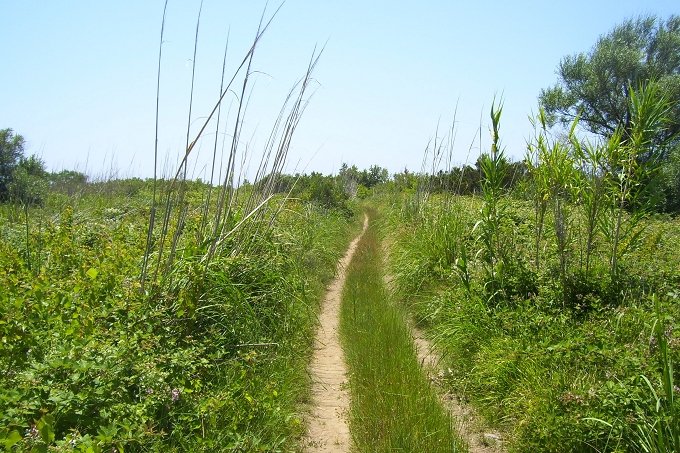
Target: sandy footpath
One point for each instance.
(327, 428)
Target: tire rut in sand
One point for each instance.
(468, 423)
(327, 427)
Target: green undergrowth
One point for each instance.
(394, 408)
(582, 367)
(213, 360)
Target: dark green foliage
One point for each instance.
(212, 361)
(68, 182)
(596, 86)
(670, 181)
(405, 182)
(29, 182)
(351, 177)
(373, 176)
(11, 153)
(23, 180)
(323, 190)
(466, 179)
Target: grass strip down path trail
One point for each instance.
(394, 407)
(327, 428)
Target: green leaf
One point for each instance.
(12, 439)
(45, 428)
(92, 273)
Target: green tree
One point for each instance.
(11, 153)
(405, 181)
(597, 86)
(29, 181)
(67, 181)
(373, 176)
(349, 179)
(670, 181)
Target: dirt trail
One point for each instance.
(479, 441)
(468, 423)
(327, 428)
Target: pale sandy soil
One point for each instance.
(327, 428)
(468, 424)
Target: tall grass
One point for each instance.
(565, 340)
(93, 362)
(493, 250)
(228, 224)
(661, 432)
(393, 407)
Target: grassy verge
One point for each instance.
(591, 375)
(213, 361)
(394, 408)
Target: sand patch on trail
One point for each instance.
(468, 424)
(327, 428)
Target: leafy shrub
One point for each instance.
(214, 360)
(558, 364)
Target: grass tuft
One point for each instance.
(394, 407)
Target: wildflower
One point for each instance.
(653, 343)
(149, 391)
(175, 394)
(33, 433)
(569, 397)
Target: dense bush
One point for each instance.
(213, 359)
(22, 179)
(557, 312)
(544, 371)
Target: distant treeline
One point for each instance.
(466, 180)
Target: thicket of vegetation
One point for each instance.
(557, 304)
(213, 359)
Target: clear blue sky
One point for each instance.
(79, 77)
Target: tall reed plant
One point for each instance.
(229, 222)
(553, 169)
(591, 161)
(633, 167)
(489, 229)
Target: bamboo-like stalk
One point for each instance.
(217, 131)
(181, 206)
(175, 204)
(226, 235)
(152, 214)
(270, 175)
